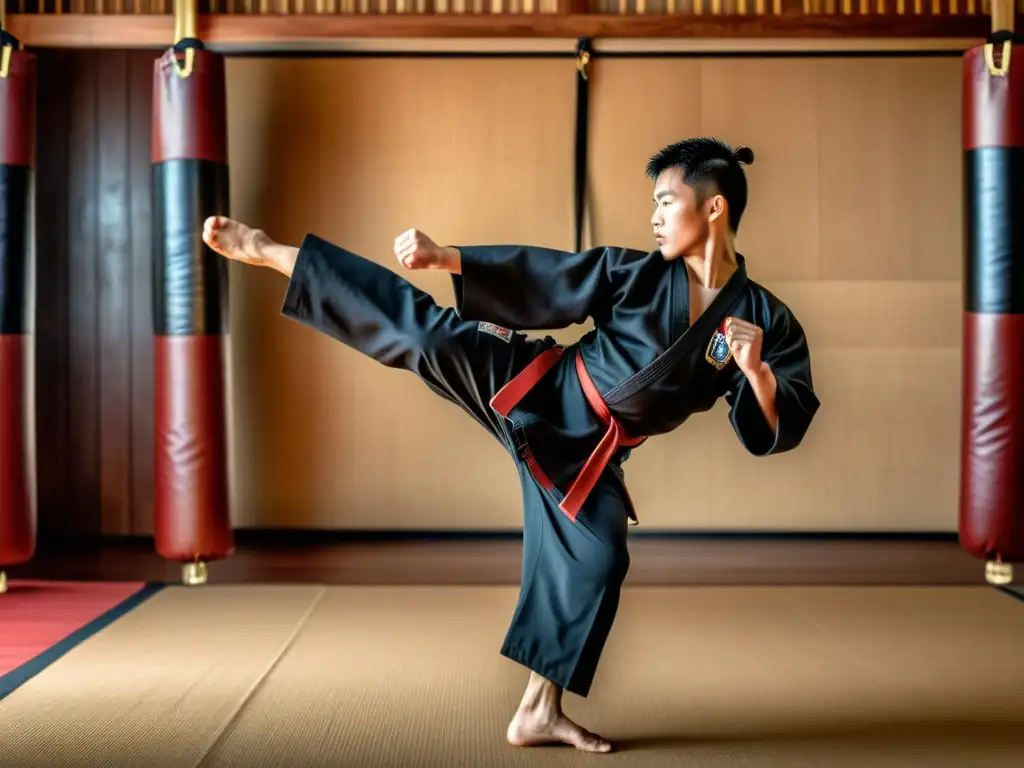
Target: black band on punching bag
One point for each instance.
(15, 314)
(189, 282)
(993, 224)
(583, 54)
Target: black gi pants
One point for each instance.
(572, 572)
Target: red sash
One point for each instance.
(614, 438)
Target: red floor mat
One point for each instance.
(37, 615)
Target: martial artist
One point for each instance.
(676, 329)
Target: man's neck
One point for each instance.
(713, 264)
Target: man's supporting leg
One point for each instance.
(571, 582)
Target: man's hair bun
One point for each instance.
(744, 155)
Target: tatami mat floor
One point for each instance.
(294, 675)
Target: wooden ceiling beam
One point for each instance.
(322, 32)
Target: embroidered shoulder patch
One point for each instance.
(496, 330)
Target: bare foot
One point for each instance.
(533, 729)
(234, 240)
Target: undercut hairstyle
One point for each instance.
(710, 167)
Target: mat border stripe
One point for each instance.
(1017, 593)
(20, 675)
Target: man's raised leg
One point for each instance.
(379, 313)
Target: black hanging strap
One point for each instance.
(582, 114)
(1003, 36)
(187, 42)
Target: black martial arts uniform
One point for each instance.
(569, 417)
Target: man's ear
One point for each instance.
(715, 207)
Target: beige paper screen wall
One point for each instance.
(854, 221)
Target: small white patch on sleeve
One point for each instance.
(496, 330)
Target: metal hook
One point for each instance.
(1004, 63)
(5, 57)
(190, 60)
(185, 12)
(582, 62)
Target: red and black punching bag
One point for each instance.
(992, 442)
(17, 427)
(190, 309)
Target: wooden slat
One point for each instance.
(151, 31)
(51, 286)
(113, 270)
(140, 334)
(83, 295)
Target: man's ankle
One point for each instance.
(280, 257)
(541, 696)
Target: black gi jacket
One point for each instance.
(650, 366)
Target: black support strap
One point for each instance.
(1003, 36)
(189, 42)
(582, 114)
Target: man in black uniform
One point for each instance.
(675, 329)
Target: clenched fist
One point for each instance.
(415, 250)
(744, 339)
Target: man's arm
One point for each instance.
(527, 287)
(772, 401)
(764, 385)
(523, 287)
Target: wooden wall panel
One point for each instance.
(773, 107)
(113, 295)
(83, 296)
(855, 223)
(890, 169)
(632, 116)
(52, 324)
(359, 150)
(83, 299)
(94, 379)
(139, 69)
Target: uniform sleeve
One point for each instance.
(786, 352)
(531, 288)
